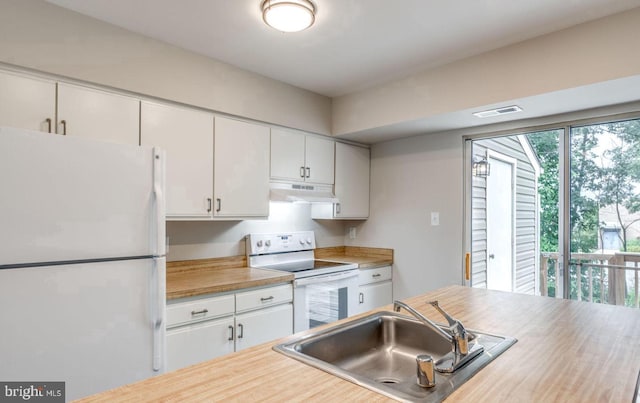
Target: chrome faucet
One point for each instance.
(457, 336)
(396, 307)
(460, 335)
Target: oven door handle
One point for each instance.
(323, 278)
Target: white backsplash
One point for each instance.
(208, 239)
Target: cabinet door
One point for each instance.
(191, 344)
(187, 137)
(27, 103)
(352, 181)
(241, 169)
(263, 325)
(319, 156)
(98, 114)
(374, 295)
(287, 155)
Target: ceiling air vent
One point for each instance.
(498, 111)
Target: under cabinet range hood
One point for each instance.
(302, 192)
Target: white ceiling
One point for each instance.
(354, 44)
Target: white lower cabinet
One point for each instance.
(375, 288)
(266, 324)
(200, 329)
(190, 344)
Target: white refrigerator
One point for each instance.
(82, 261)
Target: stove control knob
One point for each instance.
(267, 243)
(308, 241)
(301, 241)
(259, 244)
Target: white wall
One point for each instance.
(41, 36)
(200, 240)
(410, 178)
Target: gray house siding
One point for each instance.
(526, 244)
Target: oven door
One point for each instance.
(324, 299)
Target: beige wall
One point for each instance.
(589, 53)
(410, 178)
(41, 36)
(199, 240)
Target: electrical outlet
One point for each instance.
(352, 232)
(435, 218)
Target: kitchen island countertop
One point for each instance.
(566, 351)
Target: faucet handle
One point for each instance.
(452, 321)
(426, 373)
(460, 335)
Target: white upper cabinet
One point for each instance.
(241, 169)
(300, 158)
(351, 187)
(187, 136)
(352, 181)
(287, 155)
(319, 154)
(30, 103)
(27, 103)
(97, 114)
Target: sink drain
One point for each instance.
(387, 380)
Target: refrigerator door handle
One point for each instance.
(158, 304)
(158, 193)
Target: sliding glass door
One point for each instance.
(556, 212)
(604, 212)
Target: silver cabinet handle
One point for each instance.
(203, 311)
(338, 209)
(48, 120)
(308, 172)
(241, 333)
(64, 127)
(361, 298)
(209, 204)
(219, 205)
(230, 333)
(302, 172)
(270, 298)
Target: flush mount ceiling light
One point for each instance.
(498, 111)
(288, 15)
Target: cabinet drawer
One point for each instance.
(263, 297)
(205, 308)
(374, 275)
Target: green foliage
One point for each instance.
(633, 245)
(619, 179)
(545, 144)
(598, 179)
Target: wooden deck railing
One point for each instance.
(608, 277)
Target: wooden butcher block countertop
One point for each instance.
(365, 258)
(567, 351)
(206, 276)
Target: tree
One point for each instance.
(584, 186)
(545, 145)
(620, 173)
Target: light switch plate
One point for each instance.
(435, 218)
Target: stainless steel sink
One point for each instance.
(379, 352)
